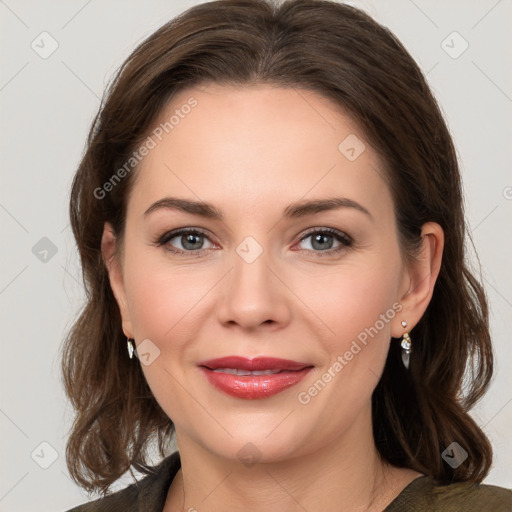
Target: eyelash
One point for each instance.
(343, 238)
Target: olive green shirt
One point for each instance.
(421, 495)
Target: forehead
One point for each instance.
(242, 147)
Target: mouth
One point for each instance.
(251, 379)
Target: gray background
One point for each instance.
(47, 105)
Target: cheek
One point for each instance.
(351, 299)
(358, 311)
(164, 306)
(161, 297)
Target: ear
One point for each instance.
(420, 277)
(115, 273)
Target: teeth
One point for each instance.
(236, 371)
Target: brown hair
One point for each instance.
(344, 55)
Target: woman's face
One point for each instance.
(320, 286)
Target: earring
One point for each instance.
(131, 349)
(406, 347)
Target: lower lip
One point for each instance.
(255, 386)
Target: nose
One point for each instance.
(254, 293)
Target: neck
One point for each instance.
(345, 474)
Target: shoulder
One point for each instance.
(475, 497)
(124, 499)
(151, 491)
(423, 495)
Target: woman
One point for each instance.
(269, 217)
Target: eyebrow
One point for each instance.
(294, 210)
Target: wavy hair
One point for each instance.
(341, 53)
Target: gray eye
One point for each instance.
(321, 241)
(191, 241)
(188, 240)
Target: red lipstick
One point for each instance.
(256, 378)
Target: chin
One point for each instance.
(258, 441)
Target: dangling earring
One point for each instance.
(406, 347)
(131, 349)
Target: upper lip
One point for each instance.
(256, 364)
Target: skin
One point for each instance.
(251, 152)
